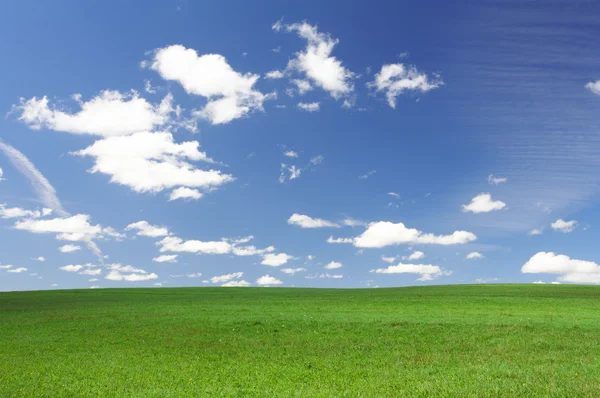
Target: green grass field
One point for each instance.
(482, 340)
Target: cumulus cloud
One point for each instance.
(268, 280)
(291, 154)
(74, 228)
(166, 258)
(483, 203)
(152, 162)
(594, 87)
(276, 260)
(40, 259)
(323, 276)
(536, 231)
(416, 255)
(128, 273)
(178, 245)
(384, 233)
(292, 271)
(309, 107)
(304, 221)
(274, 74)
(564, 226)
(226, 278)
(111, 113)
(236, 284)
(144, 228)
(427, 272)
(334, 265)
(474, 256)
(71, 268)
(316, 63)
(395, 79)
(496, 180)
(570, 270)
(17, 212)
(185, 193)
(8, 266)
(17, 270)
(230, 94)
(69, 248)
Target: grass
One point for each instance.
(482, 340)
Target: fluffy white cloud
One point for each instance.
(166, 258)
(111, 113)
(40, 259)
(226, 277)
(69, 248)
(294, 172)
(274, 74)
(8, 266)
(74, 228)
(304, 221)
(17, 212)
(564, 226)
(292, 271)
(71, 268)
(291, 154)
(496, 180)
(395, 79)
(268, 280)
(90, 271)
(483, 203)
(594, 87)
(196, 275)
(334, 265)
(236, 284)
(144, 228)
(185, 193)
(128, 273)
(17, 270)
(152, 162)
(230, 94)
(570, 270)
(309, 107)
(316, 62)
(178, 245)
(416, 255)
(474, 255)
(394, 194)
(427, 271)
(275, 260)
(536, 231)
(323, 276)
(385, 233)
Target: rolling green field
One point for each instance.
(481, 340)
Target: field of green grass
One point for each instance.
(482, 340)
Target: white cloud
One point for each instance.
(185, 193)
(17, 212)
(383, 233)
(268, 280)
(196, 275)
(395, 79)
(564, 226)
(71, 268)
(483, 203)
(292, 271)
(427, 271)
(111, 113)
(388, 259)
(367, 175)
(496, 180)
(1, 174)
(152, 162)
(323, 276)
(416, 255)
(6, 266)
(351, 222)
(334, 265)
(291, 154)
(536, 231)
(594, 87)
(274, 74)
(90, 271)
(230, 94)
(474, 256)
(316, 62)
(236, 284)
(178, 245)
(309, 107)
(166, 258)
(17, 270)
(128, 273)
(69, 248)
(74, 228)
(144, 228)
(276, 260)
(302, 86)
(394, 194)
(226, 277)
(570, 270)
(304, 221)
(40, 259)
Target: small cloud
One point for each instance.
(309, 107)
(496, 180)
(536, 231)
(394, 194)
(483, 203)
(594, 87)
(367, 175)
(334, 265)
(474, 256)
(564, 226)
(291, 154)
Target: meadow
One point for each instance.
(464, 340)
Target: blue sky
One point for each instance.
(182, 143)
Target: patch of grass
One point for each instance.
(468, 341)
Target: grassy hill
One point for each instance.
(482, 340)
